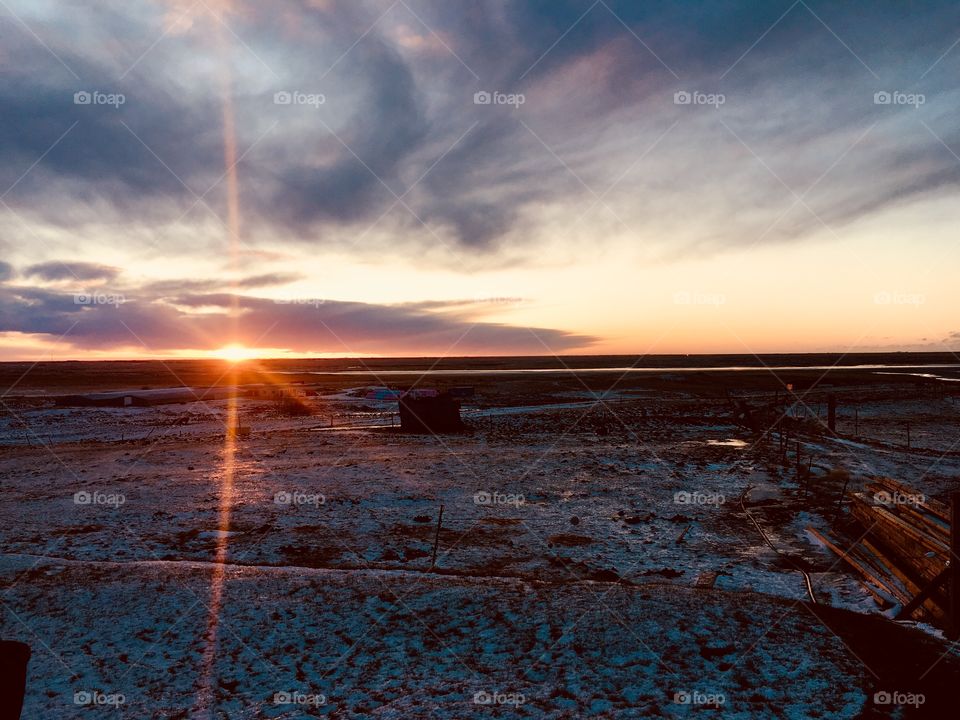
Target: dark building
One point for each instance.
(438, 413)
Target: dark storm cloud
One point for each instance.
(598, 79)
(6, 271)
(92, 321)
(388, 125)
(64, 270)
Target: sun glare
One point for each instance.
(235, 353)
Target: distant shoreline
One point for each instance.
(546, 362)
(58, 377)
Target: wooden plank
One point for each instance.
(880, 567)
(925, 523)
(901, 537)
(882, 600)
(917, 515)
(913, 548)
(907, 610)
(887, 582)
(911, 583)
(935, 507)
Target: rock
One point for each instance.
(607, 575)
(663, 572)
(715, 652)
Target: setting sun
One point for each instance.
(235, 353)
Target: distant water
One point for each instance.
(929, 376)
(541, 371)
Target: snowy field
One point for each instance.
(593, 560)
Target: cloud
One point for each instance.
(399, 121)
(268, 280)
(6, 271)
(169, 288)
(64, 270)
(308, 326)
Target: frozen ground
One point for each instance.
(400, 644)
(578, 547)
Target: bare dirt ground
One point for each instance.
(595, 557)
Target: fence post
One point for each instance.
(436, 539)
(954, 560)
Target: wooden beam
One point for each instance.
(860, 568)
(923, 551)
(907, 610)
(918, 515)
(935, 507)
(932, 605)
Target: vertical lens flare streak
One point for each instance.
(208, 673)
(206, 700)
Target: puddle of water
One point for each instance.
(729, 442)
(329, 428)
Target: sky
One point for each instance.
(198, 178)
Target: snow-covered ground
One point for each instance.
(575, 559)
(398, 644)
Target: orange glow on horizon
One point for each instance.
(236, 353)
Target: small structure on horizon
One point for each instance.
(430, 411)
(146, 397)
